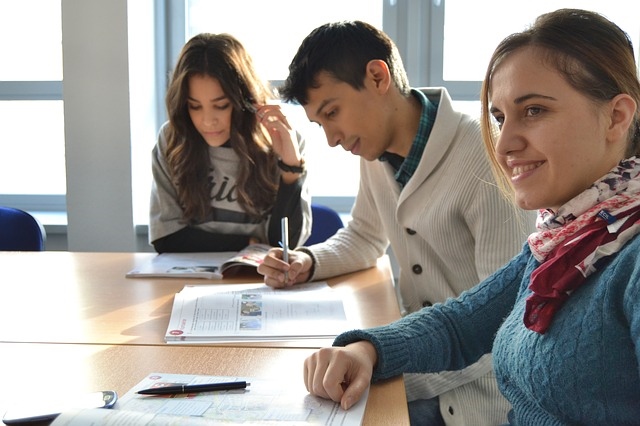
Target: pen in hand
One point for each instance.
(204, 387)
(284, 225)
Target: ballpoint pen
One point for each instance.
(284, 225)
(204, 387)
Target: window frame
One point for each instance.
(458, 90)
(33, 91)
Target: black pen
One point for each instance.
(204, 387)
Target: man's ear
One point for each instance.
(622, 110)
(378, 73)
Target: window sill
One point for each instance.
(53, 222)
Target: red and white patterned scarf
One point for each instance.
(579, 238)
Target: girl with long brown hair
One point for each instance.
(227, 165)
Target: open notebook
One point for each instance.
(200, 265)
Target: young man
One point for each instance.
(426, 188)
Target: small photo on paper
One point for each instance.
(251, 308)
(251, 296)
(251, 324)
(183, 269)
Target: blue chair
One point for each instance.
(325, 223)
(19, 231)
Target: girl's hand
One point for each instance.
(283, 137)
(341, 374)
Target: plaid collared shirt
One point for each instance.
(405, 167)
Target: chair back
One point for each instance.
(325, 223)
(20, 231)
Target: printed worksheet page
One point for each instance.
(218, 313)
(263, 402)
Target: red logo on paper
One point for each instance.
(176, 332)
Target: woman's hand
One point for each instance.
(279, 274)
(341, 374)
(283, 137)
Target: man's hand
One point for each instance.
(276, 271)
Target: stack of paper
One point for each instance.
(255, 312)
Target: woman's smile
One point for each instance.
(521, 171)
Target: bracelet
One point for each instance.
(291, 169)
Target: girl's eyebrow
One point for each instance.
(524, 98)
(219, 98)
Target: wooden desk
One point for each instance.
(63, 297)
(70, 368)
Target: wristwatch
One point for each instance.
(291, 169)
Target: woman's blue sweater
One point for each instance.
(583, 370)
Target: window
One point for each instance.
(32, 166)
(459, 62)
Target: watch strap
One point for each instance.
(291, 169)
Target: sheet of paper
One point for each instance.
(262, 402)
(250, 312)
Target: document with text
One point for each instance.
(255, 312)
(262, 402)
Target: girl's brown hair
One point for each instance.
(220, 56)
